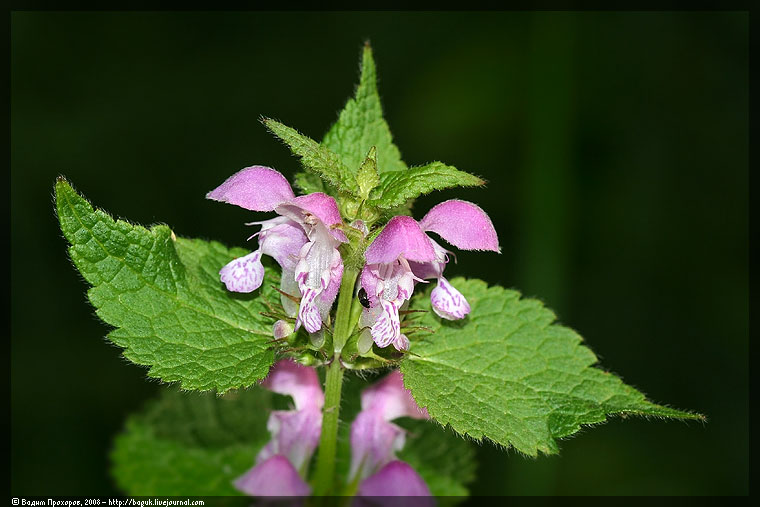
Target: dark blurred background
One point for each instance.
(615, 145)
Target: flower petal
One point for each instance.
(295, 435)
(402, 236)
(433, 269)
(401, 342)
(256, 188)
(390, 399)
(463, 224)
(305, 208)
(243, 274)
(395, 479)
(316, 263)
(448, 303)
(336, 275)
(283, 242)
(308, 312)
(369, 280)
(298, 381)
(274, 477)
(387, 327)
(374, 442)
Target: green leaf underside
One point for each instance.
(164, 297)
(315, 157)
(191, 444)
(509, 374)
(361, 125)
(444, 460)
(396, 188)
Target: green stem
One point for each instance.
(324, 476)
(344, 322)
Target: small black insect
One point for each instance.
(363, 298)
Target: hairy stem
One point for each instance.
(344, 323)
(324, 476)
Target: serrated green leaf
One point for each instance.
(508, 373)
(397, 188)
(443, 459)
(164, 297)
(191, 444)
(315, 157)
(361, 125)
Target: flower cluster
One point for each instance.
(403, 253)
(282, 464)
(304, 240)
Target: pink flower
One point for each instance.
(282, 463)
(274, 477)
(467, 227)
(403, 254)
(375, 440)
(303, 240)
(395, 479)
(388, 280)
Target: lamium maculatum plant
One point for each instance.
(335, 358)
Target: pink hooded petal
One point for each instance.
(256, 188)
(274, 477)
(298, 381)
(402, 236)
(243, 274)
(390, 399)
(374, 442)
(448, 303)
(395, 479)
(321, 206)
(295, 435)
(463, 224)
